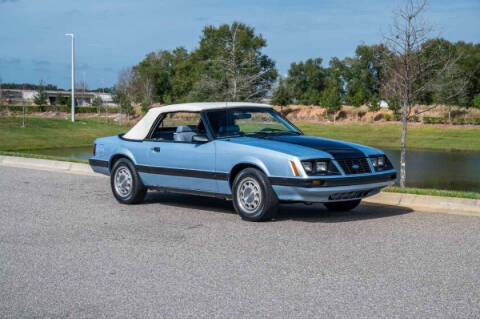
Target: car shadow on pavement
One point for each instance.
(298, 212)
(317, 213)
(190, 202)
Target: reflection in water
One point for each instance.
(442, 170)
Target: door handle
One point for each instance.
(156, 149)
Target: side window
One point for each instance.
(179, 127)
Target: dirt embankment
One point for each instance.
(311, 113)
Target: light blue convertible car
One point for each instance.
(245, 152)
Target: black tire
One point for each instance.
(265, 206)
(342, 206)
(137, 189)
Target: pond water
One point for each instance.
(425, 169)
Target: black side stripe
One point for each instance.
(182, 172)
(191, 192)
(99, 163)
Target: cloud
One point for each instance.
(9, 60)
(41, 63)
(82, 66)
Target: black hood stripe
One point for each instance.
(338, 150)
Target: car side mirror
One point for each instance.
(200, 138)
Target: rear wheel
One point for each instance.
(342, 206)
(126, 184)
(253, 196)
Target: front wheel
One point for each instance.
(342, 206)
(253, 196)
(127, 186)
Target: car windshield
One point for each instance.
(249, 122)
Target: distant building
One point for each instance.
(22, 97)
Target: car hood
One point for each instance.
(337, 149)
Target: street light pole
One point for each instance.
(73, 74)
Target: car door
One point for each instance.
(173, 160)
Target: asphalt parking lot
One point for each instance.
(69, 250)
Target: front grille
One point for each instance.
(350, 195)
(354, 165)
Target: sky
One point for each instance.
(114, 34)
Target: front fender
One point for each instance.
(254, 161)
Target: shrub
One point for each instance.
(374, 104)
(397, 117)
(387, 117)
(476, 101)
(433, 120)
(378, 117)
(49, 108)
(341, 115)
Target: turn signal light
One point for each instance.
(94, 149)
(294, 168)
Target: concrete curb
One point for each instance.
(451, 205)
(461, 206)
(47, 165)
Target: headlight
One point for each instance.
(320, 167)
(380, 162)
(308, 167)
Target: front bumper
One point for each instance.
(332, 189)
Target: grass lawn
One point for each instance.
(387, 135)
(432, 192)
(43, 133)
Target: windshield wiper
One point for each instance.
(290, 133)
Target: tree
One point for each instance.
(230, 64)
(364, 74)
(97, 102)
(41, 96)
(411, 68)
(1, 92)
(153, 76)
(125, 91)
(307, 80)
(455, 93)
(331, 100)
(282, 95)
(61, 99)
(469, 63)
(374, 103)
(476, 101)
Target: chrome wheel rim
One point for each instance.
(249, 194)
(123, 181)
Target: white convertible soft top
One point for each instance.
(141, 129)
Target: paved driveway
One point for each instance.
(69, 250)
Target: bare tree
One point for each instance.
(125, 90)
(147, 89)
(411, 67)
(245, 80)
(1, 97)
